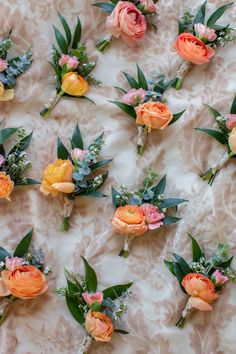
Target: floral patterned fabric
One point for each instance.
(44, 325)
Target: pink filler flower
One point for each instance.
(91, 298)
(205, 32)
(134, 97)
(220, 278)
(12, 263)
(71, 62)
(78, 154)
(3, 65)
(230, 121)
(153, 216)
(150, 6)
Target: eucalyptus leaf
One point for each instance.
(24, 245)
(99, 164)
(90, 277)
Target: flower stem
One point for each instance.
(65, 226)
(51, 104)
(6, 309)
(210, 175)
(181, 73)
(68, 206)
(104, 43)
(180, 322)
(124, 253)
(127, 246)
(186, 313)
(86, 345)
(142, 137)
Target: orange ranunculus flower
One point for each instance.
(25, 282)
(129, 220)
(4, 291)
(57, 177)
(201, 289)
(192, 49)
(232, 140)
(6, 186)
(154, 115)
(74, 84)
(99, 326)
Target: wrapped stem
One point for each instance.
(104, 43)
(86, 345)
(211, 173)
(181, 73)
(142, 137)
(185, 314)
(68, 206)
(52, 102)
(6, 304)
(127, 246)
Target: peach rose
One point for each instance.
(127, 22)
(192, 49)
(201, 290)
(4, 291)
(25, 282)
(57, 177)
(99, 326)
(154, 115)
(6, 186)
(74, 84)
(232, 140)
(129, 220)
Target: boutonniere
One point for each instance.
(22, 275)
(225, 134)
(11, 68)
(145, 103)
(198, 38)
(140, 211)
(98, 311)
(72, 66)
(203, 279)
(128, 20)
(74, 174)
(13, 164)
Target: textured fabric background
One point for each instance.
(44, 326)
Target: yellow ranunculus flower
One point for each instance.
(6, 186)
(57, 177)
(74, 84)
(7, 95)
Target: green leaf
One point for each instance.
(233, 107)
(196, 249)
(227, 263)
(90, 277)
(77, 34)
(74, 309)
(61, 41)
(121, 89)
(116, 291)
(179, 274)
(108, 8)
(170, 220)
(170, 266)
(85, 98)
(5, 134)
(114, 1)
(181, 27)
(99, 164)
(3, 254)
(133, 83)
(72, 287)
(62, 152)
(200, 16)
(182, 264)
(214, 134)
(77, 140)
(121, 331)
(114, 194)
(142, 79)
(217, 14)
(126, 108)
(93, 194)
(160, 187)
(171, 202)
(27, 182)
(22, 144)
(66, 28)
(176, 117)
(214, 111)
(24, 245)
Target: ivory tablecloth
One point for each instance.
(44, 326)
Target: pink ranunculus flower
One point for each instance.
(153, 216)
(134, 97)
(91, 298)
(230, 121)
(71, 62)
(127, 22)
(150, 6)
(3, 65)
(2, 160)
(205, 32)
(78, 154)
(12, 263)
(220, 278)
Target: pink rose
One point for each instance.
(3, 65)
(230, 121)
(134, 97)
(128, 22)
(2, 160)
(92, 298)
(149, 5)
(220, 278)
(204, 32)
(153, 216)
(12, 263)
(78, 154)
(71, 62)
